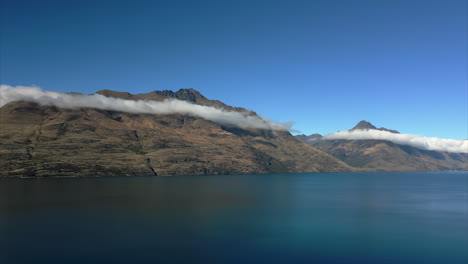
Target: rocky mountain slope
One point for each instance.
(41, 141)
(381, 155)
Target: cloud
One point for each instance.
(168, 106)
(426, 143)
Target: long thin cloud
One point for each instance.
(426, 143)
(168, 106)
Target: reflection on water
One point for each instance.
(279, 218)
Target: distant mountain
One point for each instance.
(312, 137)
(381, 155)
(364, 125)
(42, 141)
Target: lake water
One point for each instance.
(277, 218)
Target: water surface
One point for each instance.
(276, 218)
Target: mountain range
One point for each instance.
(384, 155)
(43, 140)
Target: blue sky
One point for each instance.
(323, 64)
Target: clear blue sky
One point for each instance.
(323, 64)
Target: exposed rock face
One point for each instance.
(190, 95)
(380, 155)
(42, 141)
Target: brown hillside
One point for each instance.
(41, 141)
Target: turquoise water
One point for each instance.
(277, 218)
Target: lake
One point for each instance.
(417, 217)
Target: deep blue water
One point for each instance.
(277, 218)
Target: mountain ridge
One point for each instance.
(383, 155)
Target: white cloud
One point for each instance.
(168, 106)
(427, 143)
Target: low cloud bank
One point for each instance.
(426, 143)
(168, 106)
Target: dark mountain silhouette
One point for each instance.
(364, 125)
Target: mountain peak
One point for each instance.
(187, 94)
(190, 95)
(364, 125)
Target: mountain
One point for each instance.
(364, 125)
(382, 155)
(309, 138)
(42, 141)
